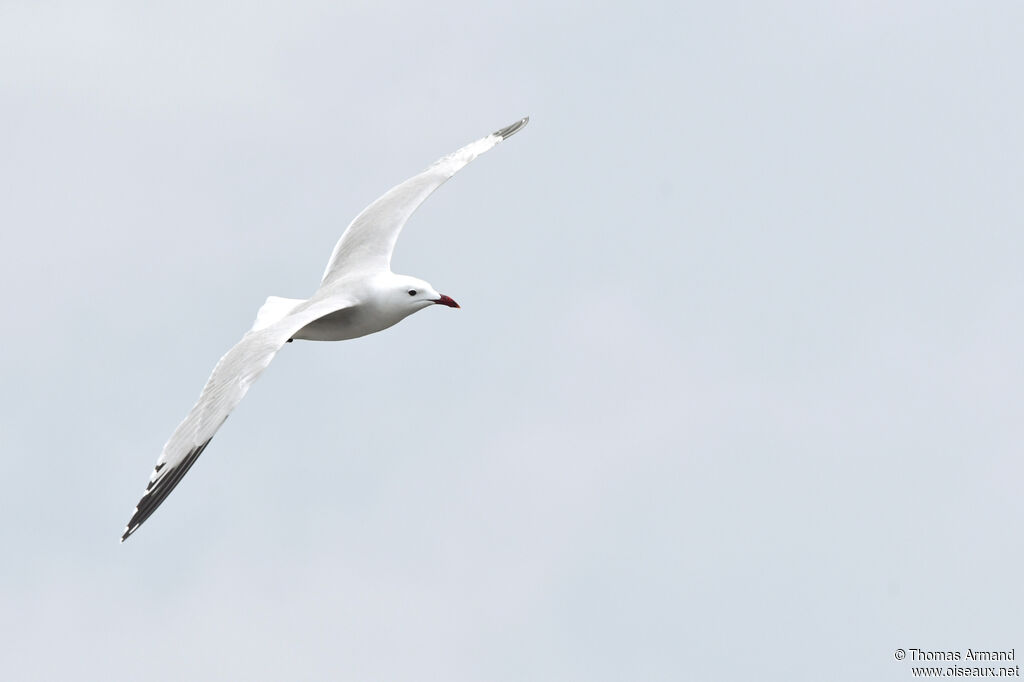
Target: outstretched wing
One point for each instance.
(225, 388)
(367, 244)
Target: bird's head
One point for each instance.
(417, 294)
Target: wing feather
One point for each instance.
(225, 388)
(368, 242)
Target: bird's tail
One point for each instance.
(275, 309)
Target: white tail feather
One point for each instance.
(275, 309)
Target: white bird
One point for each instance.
(358, 295)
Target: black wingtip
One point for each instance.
(158, 489)
(511, 130)
(130, 528)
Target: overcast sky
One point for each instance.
(735, 391)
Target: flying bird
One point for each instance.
(358, 295)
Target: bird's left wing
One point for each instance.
(368, 242)
(225, 388)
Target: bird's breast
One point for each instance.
(348, 323)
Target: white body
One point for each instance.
(373, 306)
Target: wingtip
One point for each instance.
(160, 487)
(509, 131)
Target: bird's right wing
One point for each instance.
(225, 388)
(368, 242)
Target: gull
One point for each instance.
(358, 295)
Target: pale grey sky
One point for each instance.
(735, 392)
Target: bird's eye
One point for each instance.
(412, 292)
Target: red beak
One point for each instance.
(446, 300)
